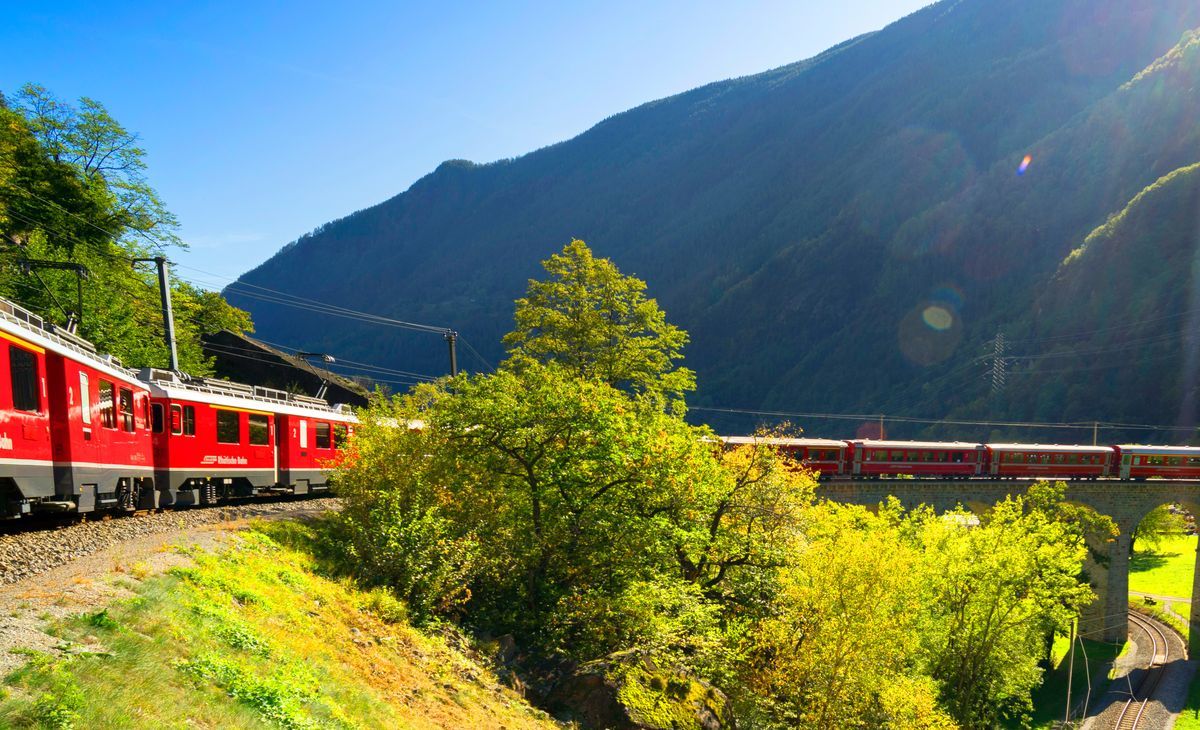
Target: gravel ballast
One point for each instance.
(29, 553)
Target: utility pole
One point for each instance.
(1071, 673)
(1095, 431)
(452, 338)
(998, 373)
(164, 291)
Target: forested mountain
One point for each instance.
(847, 233)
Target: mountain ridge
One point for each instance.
(787, 217)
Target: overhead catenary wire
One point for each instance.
(281, 296)
(874, 417)
(410, 381)
(338, 362)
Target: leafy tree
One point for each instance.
(1159, 523)
(841, 648)
(73, 190)
(107, 157)
(992, 593)
(597, 323)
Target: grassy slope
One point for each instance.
(1049, 700)
(1166, 571)
(249, 638)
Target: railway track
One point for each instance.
(1165, 647)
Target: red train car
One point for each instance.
(1132, 461)
(26, 459)
(216, 440)
(1049, 460)
(75, 423)
(826, 457)
(312, 439)
(870, 458)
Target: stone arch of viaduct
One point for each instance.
(1125, 502)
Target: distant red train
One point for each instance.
(869, 459)
(79, 432)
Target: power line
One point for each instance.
(349, 364)
(259, 360)
(940, 421)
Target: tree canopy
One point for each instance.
(74, 190)
(597, 323)
(546, 500)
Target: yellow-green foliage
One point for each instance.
(253, 637)
(1116, 221)
(663, 700)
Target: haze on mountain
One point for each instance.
(848, 233)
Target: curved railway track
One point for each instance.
(1165, 646)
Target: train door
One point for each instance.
(856, 451)
(1126, 462)
(280, 434)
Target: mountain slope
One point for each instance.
(802, 222)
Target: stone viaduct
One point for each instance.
(1125, 502)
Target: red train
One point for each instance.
(867, 459)
(80, 432)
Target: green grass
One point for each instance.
(1166, 571)
(252, 637)
(1189, 716)
(1049, 700)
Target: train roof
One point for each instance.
(28, 326)
(167, 384)
(1177, 450)
(777, 441)
(940, 445)
(1062, 448)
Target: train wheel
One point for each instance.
(128, 493)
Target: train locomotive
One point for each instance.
(875, 459)
(79, 432)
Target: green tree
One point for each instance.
(1159, 523)
(107, 157)
(596, 322)
(841, 647)
(73, 190)
(991, 595)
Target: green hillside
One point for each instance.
(807, 224)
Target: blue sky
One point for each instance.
(263, 120)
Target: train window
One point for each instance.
(156, 417)
(340, 432)
(260, 430)
(323, 441)
(176, 420)
(108, 399)
(897, 455)
(1156, 461)
(85, 399)
(22, 366)
(1176, 461)
(126, 408)
(229, 427)
(958, 457)
(189, 420)
(1194, 461)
